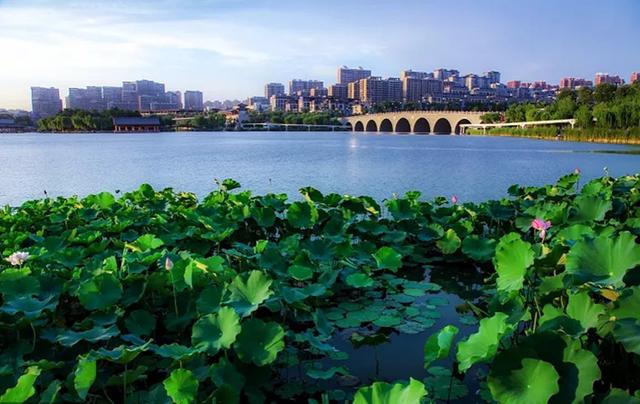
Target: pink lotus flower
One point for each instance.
(576, 171)
(168, 264)
(542, 226)
(17, 258)
(454, 199)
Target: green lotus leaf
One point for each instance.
(385, 393)
(400, 209)
(326, 374)
(69, 338)
(483, 345)
(449, 243)
(225, 373)
(534, 383)
(387, 320)
(300, 272)
(604, 259)
(627, 305)
(23, 389)
(586, 364)
(146, 242)
(619, 396)
(30, 306)
(140, 322)
(575, 232)
(359, 280)
(215, 331)
(18, 282)
(512, 258)
(302, 215)
(438, 345)
(259, 342)
(100, 292)
(174, 351)
(478, 248)
(84, 376)
(103, 200)
(627, 332)
(121, 354)
(387, 257)
(209, 300)
(590, 208)
(248, 291)
(582, 308)
(50, 394)
(181, 386)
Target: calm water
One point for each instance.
(474, 168)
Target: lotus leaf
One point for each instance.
(259, 342)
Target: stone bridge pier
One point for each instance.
(418, 122)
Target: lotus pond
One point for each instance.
(158, 297)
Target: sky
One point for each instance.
(231, 48)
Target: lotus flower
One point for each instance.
(542, 226)
(168, 264)
(577, 171)
(454, 199)
(17, 258)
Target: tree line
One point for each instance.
(295, 118)
(604, 107)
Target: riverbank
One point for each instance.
(629, 136)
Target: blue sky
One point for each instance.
(230, 48)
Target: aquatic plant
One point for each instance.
(156, 297)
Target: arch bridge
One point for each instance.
(418, 122)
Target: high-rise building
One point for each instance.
(129, 95)
(445, 74)
(492, 77)
(45, 102)
(635, 77)
(338, 91)
(193, 101)
(418, 89)
(175, 99)
(88, 99)
(347, 75)
(605, 78)
(353, 90)
(273, 89)
(572, 82)
(112, 97)
(150, 92)
(374, 90)
(513, 84)
(302, 87)
(415, 75)
(278, 102)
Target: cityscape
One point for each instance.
(356, 91)
(323, 202)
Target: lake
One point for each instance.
(471, 167)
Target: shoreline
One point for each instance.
(565, 137)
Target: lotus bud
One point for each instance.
(168, 264)
(454, 199)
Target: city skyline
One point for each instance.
(69, 46)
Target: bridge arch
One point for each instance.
(463, 121)
(386, 126)
(358, 127)
(421, 126)
(403, 126)
(372, 126)
(442, 127)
